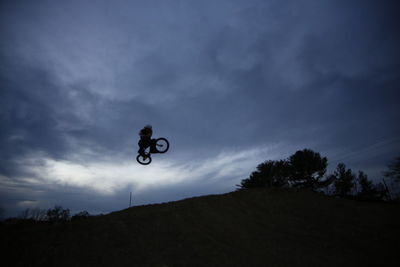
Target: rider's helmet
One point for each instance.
(148, 126)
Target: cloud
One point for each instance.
(107, 178)
(109, 175)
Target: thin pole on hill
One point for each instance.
(130, 199)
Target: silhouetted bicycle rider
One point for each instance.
(145, 139)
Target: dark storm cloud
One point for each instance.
(79, 79)
(27, 121)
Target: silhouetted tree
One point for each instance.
(34, 214)
(394, 170)
(58, 214)
(255, 180)
(344, 180)
(367, 190)
(275, 173)
(80, 215)
(268, 174)
(382, 192)
(307, 168)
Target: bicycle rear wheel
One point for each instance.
(143, 160)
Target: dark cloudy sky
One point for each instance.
(229, 83)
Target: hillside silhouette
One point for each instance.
(257, 227)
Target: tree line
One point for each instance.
(52, 215)
(307, 169)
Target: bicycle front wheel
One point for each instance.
(162, 145)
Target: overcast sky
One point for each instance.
(230, 83)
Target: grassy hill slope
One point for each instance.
(246, 228)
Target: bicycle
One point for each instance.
(159, 145)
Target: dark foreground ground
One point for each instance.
(246, 228)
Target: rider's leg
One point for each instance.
(141, 152)
(142, 147)
(143, 144)
(153, 148)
